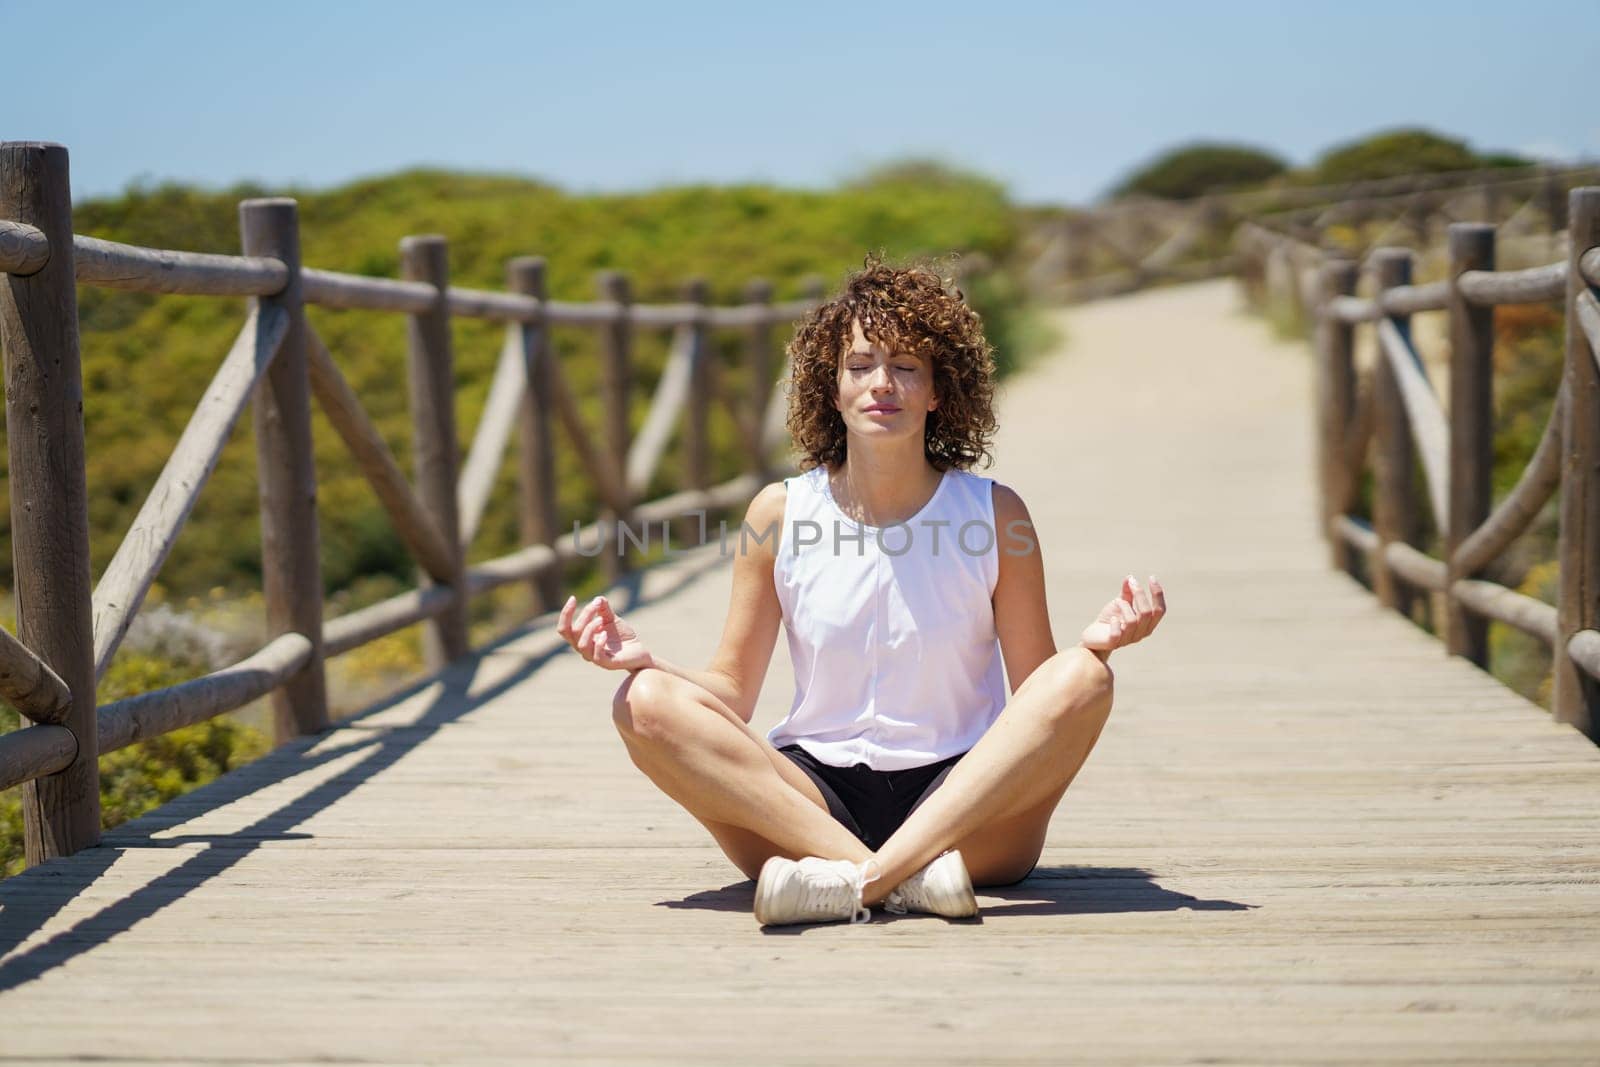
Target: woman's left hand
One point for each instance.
(1128, 618)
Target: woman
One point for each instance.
(902, 775)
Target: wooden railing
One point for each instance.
(1393, 410)
(1136, 242)
(69, 629)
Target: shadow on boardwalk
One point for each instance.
(30, 899)
(1055, 890)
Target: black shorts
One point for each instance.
(871, 804)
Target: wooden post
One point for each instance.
(616, 376)
(1396, 516)
(536, 460)
(696, 445)
(426, 258)
(291, 554)
(1336, 384)
(1576, 696)
(1554, 200)
(758, 362)
(1471, 428)
(1075, 231)
(49, 497)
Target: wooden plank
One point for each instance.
(149, 540)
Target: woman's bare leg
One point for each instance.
(750, 796)
(1024, 761)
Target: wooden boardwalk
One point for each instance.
(1306, 836)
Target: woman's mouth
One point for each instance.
(882, 409)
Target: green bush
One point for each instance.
(1395, 153)
(1196, 169)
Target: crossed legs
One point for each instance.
(994, 805)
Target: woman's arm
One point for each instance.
(1021, 619)
(740, 663)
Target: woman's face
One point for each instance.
(883, 393)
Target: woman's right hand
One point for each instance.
(601, 637)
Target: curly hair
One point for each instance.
(910, 309)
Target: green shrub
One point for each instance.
(1395, 153)
(1196, 169)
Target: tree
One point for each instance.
(1392, 153)
(1196, 169)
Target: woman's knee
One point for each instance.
(1081, 685)
(642, 704)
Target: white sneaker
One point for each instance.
(943, 887)
(812, 890)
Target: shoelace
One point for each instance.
(910, 893)
(822, 889)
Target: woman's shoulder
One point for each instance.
(1007, 501)
(978, 482)
(768, 503)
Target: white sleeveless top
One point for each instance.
(891, 629)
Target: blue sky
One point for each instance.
(1057, 100)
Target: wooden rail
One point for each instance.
(1394, 408)
(68, 632)
(1134, 242)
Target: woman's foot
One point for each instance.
(812, 890)
(943, 887)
